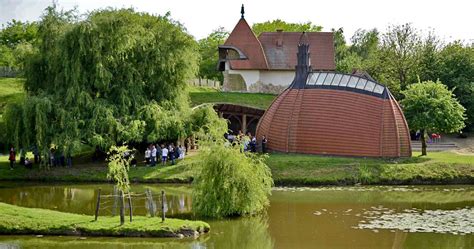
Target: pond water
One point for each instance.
(327, 217)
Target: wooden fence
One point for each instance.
(113, 203)
(205, 82)
(9, 72)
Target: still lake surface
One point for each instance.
(326, 217)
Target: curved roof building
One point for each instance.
(335, 114)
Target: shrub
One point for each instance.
(231, 183)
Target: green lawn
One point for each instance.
(287, 169)
(437, 167)
(11, 91)
(21, 220)
(200, 95)
(182, 172)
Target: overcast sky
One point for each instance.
(451, 20)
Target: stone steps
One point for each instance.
(438, 146)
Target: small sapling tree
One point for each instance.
(430, 106)
(119, 166)
(230, 183)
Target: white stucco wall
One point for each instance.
(278, 78)
(250, 76)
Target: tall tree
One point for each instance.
(365, 43)
(430, 107)
(272, 26)
(116, 76)
(428, 58)
(16, 42)
(16, 32)
(210, 55)
(456, 70)
(400, 44)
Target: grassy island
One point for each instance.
(22, 221)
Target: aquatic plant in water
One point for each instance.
(459, 221)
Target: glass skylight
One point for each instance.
(344, 80)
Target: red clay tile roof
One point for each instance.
(281, 47)
(243, 38)
(277, 50)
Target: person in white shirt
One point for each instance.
(153, 155)
(147, 156)
(164, 154)
(182, 152)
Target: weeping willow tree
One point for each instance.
(114, 76)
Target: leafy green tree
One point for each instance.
(399, 56)
(116, 76)
(16, 32)
(210, 54)
(365, 43)
(230, 183)
(456, 70)
(428, 58)
(430, 107)
(343, 64)
(272, 26)
(16, 42)
(119, 165)
(7, 58)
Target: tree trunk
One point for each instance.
(122, 208)
(423, 142)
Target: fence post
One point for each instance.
(163, 205)
(115, 196)
(150, 202)
(130, 206)
(122, 208)
(97, 206)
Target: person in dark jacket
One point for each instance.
(12, 157)
(264, 144)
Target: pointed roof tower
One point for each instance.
(244, 40)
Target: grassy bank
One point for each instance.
(436, 168)
(20, 220)
(11, 91)
(287, 169)
(200, 95)
(182, 172)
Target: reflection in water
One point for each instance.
(244, 233)
(297, 218)
(82, 198)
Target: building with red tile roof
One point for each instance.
(267, 63)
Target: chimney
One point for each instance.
(279, 41)
(303, 68)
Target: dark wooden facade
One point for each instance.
(240, 118)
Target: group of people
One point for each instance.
(432, 138)
(28, 163)
(247, 142)
(165, 153)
